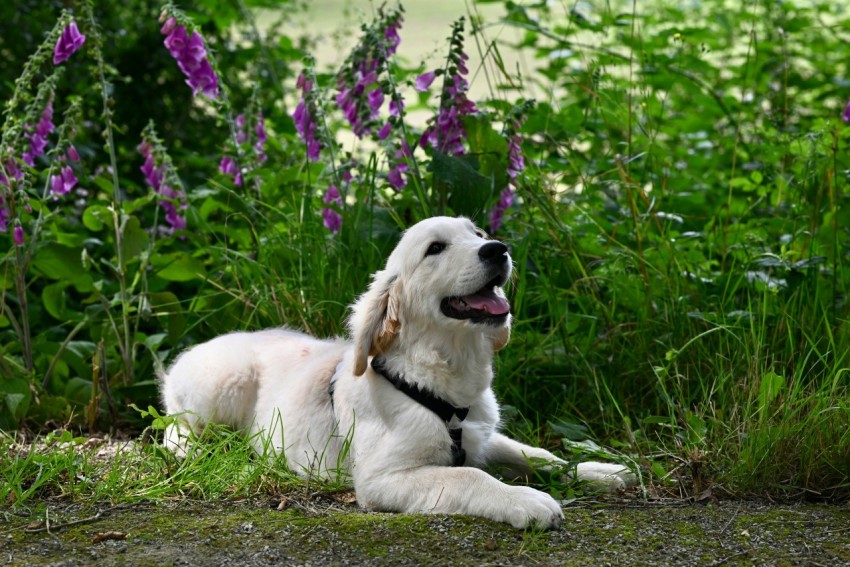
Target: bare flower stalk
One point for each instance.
(126, 344)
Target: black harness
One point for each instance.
(439, 406)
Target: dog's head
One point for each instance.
(446, 277)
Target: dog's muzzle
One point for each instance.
(484, 305)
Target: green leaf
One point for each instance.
(167, 307)
(469, 192)
(178, 267)
(78, 390)
(571, 431)
(53, 298)
(62, 263)
(95, 217)
(135, 239)
(15, 398)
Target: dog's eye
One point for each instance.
(435, 248)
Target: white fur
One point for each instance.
(273, 384)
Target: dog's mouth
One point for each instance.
(483, 306)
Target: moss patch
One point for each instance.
(256, 533)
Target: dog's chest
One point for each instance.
(475, 436)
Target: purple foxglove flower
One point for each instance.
(38, 138)
(304, 83)
(376, 100)
(203, 79)
(72, 154)
(227, 166)
(332, 196)
(174, 218)
(423, 81)
(62, 183)
(176, 40)
(516, 163)
(45, 123)
(145, 148)
(846, 115)
(168, 26)
(191, 56)
(4, 217)
(506, 199)
(385, 131)
(392, 37)
(69, 42)
(153, 174)
(241, 134)
(395, 177)
(262, 137)
(396, 107)
(12, 170)
(332, 219)
(194, 50)
(313, 149)
(18, 235)
(305, 121)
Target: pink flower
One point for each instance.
(69, 42)
(18, 235)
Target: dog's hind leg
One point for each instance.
(179, 433)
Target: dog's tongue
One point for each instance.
(487, 301)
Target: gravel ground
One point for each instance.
(328, 529)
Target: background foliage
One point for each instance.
(680, 235)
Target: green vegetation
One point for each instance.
(679, 226)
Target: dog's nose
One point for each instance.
(494, 253)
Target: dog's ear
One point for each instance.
(375, 320)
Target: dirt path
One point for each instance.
(330, 533)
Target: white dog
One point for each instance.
(414, 425)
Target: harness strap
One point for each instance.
(439, 406)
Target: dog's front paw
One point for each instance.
(531, 508)
(606, 476)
